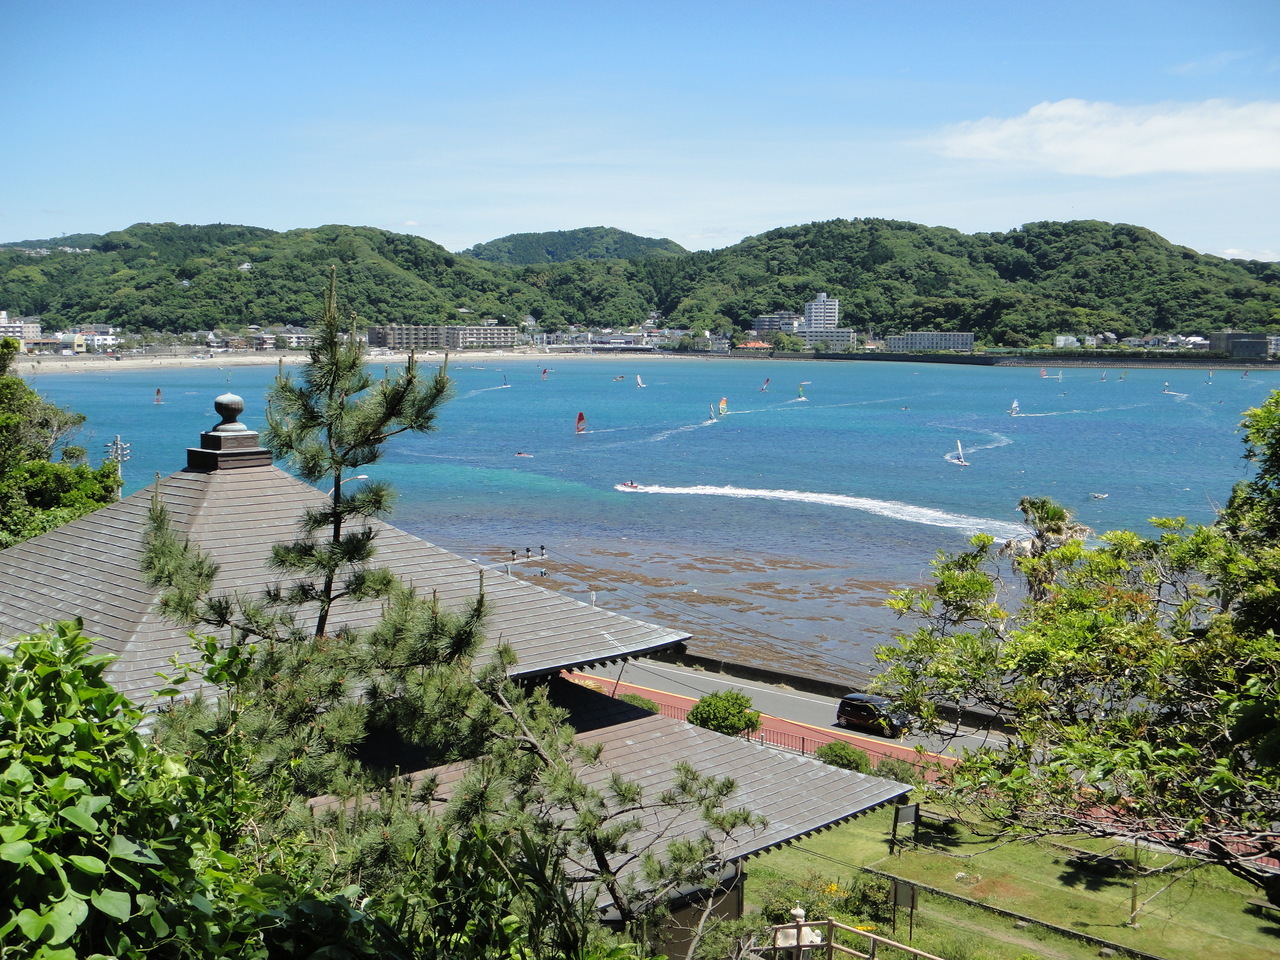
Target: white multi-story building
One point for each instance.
(837, 339)
(19, 328)
(927, 341)
(823, 313)
(409, 337)
(782, 320)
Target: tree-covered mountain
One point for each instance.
(1012, 288)
(558, 246)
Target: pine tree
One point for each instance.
(326, 427)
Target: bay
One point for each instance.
(774, 531)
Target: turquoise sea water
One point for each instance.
(788, 516)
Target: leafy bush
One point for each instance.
(725, 711)
(861, 898)
(643, 703)
(903, 771)
(842, 755)
(104, 844)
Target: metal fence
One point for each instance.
(794, 742)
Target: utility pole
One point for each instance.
(119, 452)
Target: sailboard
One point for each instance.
(724, 405)
(582, 423)
(544, 373)
(766, 385)
(960, 461)
(159, 398)
(1013, 410)
(713, 412)
(639, 382)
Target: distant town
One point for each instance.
(815, 331)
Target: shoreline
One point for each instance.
(98, 363)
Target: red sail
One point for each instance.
(582, 423)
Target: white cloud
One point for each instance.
(1212, 64)
(1232, 253)
(1109, 140)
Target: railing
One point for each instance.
(810, 940)
(784, 740)
(770, 738)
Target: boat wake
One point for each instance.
(1022, 415)
(479, 390)
(892, 509)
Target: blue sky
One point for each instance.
(705, 122)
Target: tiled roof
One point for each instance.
(796, 795)
(235, 505)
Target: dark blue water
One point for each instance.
(789, 516)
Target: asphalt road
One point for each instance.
(810, 710)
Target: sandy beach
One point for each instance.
(98, 363)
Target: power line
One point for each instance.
(119, 453)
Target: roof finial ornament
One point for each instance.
(229, 406)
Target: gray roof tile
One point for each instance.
(90, 568)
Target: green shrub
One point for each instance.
(903, 771)
(643, 703)
(842, 755)
(725, 711)
(863, 897)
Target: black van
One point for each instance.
(878, 715)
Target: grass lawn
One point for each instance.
(1183, 915)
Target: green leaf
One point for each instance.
(79, 818)
(32, 924)
(90, 865)
(122, 848)
(15, 852)
(19, 774)
(114, 903)
(159, 925)
(65, 917)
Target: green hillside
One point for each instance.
(559, 246)
(1011, 288)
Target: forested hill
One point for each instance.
(1009, 288)
(585, 243)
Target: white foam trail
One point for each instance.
(882, 508)
(479, 390)
(685, 428)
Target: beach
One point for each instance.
(25, 366)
